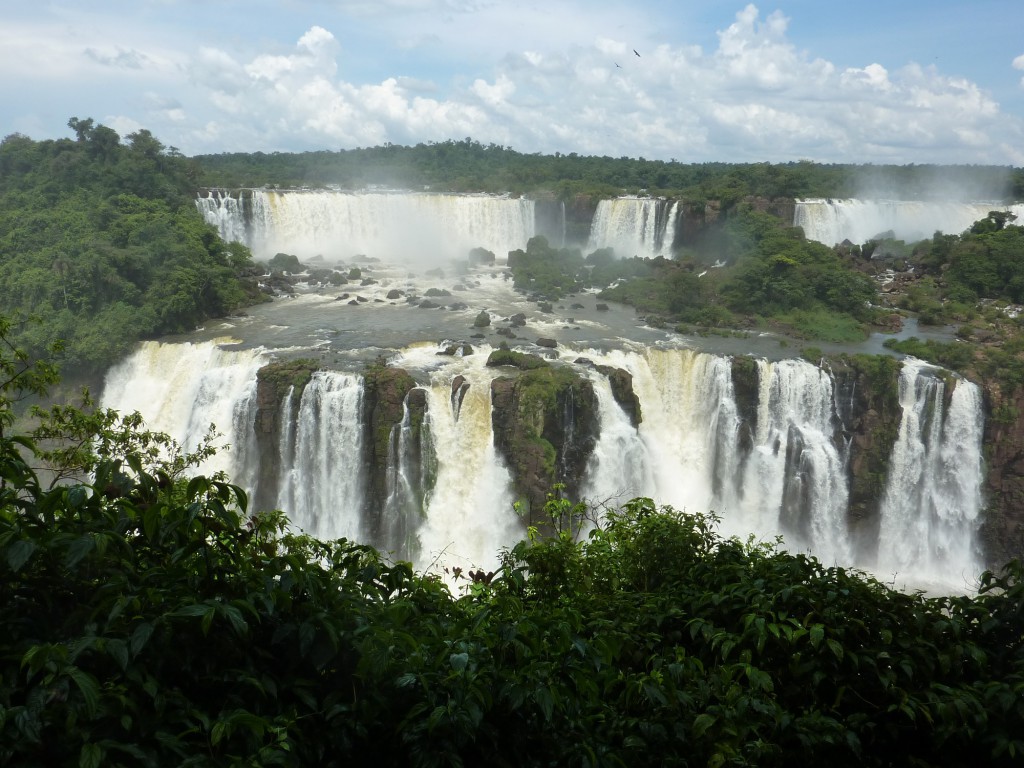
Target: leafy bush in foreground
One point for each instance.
(147, 620)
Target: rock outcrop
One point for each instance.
(545, 423)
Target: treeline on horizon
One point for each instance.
(470, 166)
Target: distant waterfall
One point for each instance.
(634, 226)
(833, 221)
(929, 513)
(325, 494)
(409, 227)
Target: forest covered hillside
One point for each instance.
(100, 240)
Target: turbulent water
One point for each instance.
(772, 461)
(832, 221)
(781, 470)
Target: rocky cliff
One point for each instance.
(1002, 531)
(545, 423)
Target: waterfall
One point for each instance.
(634, 226)
(619, 469)
(325, 494)
(394, 226)
(929, 511)
(790, 479)
(833, 221)
(775, 463)
(469, 512)
(795, 479)
(403, 508)
(181, 389)
(226, 213)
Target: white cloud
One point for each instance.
(544, 76)
(1018, 63)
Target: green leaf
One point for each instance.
(458, 661)
(88, 686)
(817, 634)
(91, 756)
(140, 636)
(118, 650)
(836, 648)
(19, 552)
(77, 496)
(701, 724)
(78, 550)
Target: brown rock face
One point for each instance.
(273, 382)
(1002, 532)
(545, 427)
(384, 394)
(621, 382)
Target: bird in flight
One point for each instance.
(637, 54)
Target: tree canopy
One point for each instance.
(102, 241)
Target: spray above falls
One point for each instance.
(833, 221)
(416, 227)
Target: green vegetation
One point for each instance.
(103, 242)
(773, 275)
(469, 166)
(521, 360)
(147, 618)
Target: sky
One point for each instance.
(899, 81)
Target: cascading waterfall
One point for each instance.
(395, 226)
(325, 494)
(831, 221)
(795, 478)
(634, 226)
(403, 508)
(469, 512)
(181, 389)
(226, 212)
(774, 465)
(619, 469)
(929, 511)
(790, 480)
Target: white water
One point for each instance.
(183, 389)
(929, 512)
(688, 451)
(784, 472)
(410, 227)
(469, 512)
(832, 221)
(634, 226)
(324, 495)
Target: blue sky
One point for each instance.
(873, 82)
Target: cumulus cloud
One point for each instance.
(755, 96)
(1018, 63)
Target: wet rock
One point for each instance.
(482, 320)
(546, 342)
(518, 320)
(601, 307)
(394, 293)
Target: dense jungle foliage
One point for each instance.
(974, 280)
(148, 618)
(758, 271)
(469, 166)
(101, 240)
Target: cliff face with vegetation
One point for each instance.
(545, 428)
(1002, 531)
